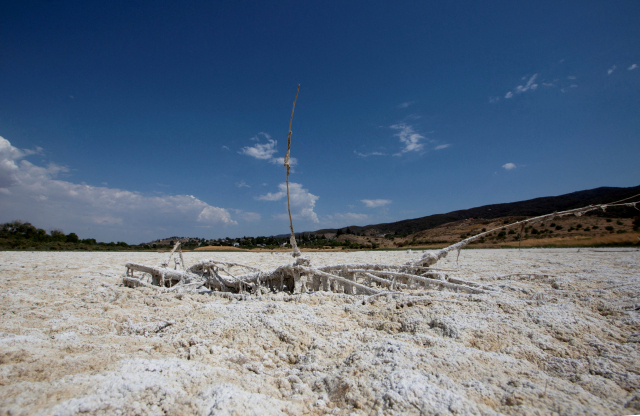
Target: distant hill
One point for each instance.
(528, 208)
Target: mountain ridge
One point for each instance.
(527, 208)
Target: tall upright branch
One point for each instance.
(287, 164)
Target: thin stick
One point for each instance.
(287, 164)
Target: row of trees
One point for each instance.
(24, 235)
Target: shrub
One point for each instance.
(609, 220)
(558, 227)
(621, 231)
(553, 224)
(502, 234)
(484, 229)
(511, 232)
(587, 229)
(72, 238)
(595, 227)
(578, 226)
(619, 222)
(609, 228)
(571, 229)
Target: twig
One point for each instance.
(287, 164)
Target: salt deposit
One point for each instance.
(561, 335)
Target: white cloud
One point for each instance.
(214, 215)
(494, 99)
(266, 151)
(374, 203)
(261, 151)
(610, 70)
(225, 147)
(242, 184)
(632, 67)
(369, 154)
(33, 193)
(509, 166)
(302, 201)
(548, 84)
(508, 95)
(409, 138)
(442, 146)
(572, 77)
(406, 104)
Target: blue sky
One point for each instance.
(130, 121)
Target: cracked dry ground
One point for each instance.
(566, 340)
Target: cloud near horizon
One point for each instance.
(509, 166)
(374, 203)
(302, 201)
(33, 193)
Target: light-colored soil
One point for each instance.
(565, 340)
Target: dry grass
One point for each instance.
(610, 239)
(218, 248)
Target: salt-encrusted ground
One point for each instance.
(73, 340)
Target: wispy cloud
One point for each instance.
(242, 184)
(632, 67)
(409, 138)
(369, 154)
(374, 203)
(225, 147)
(406, 104)
(509, 166)
(349, 216)
(302, 201)
(35, 193)
(572, 77)
(442, 146)
(280, 161)
(530, 85)
(610, 70)
(247, 216)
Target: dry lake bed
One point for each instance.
(563, 337)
